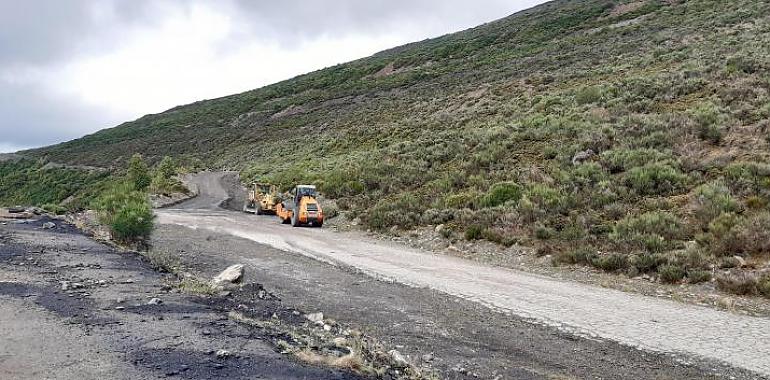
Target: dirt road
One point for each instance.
(72, 308)
(653, 325)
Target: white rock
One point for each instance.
(155, 301)
(223, 354)
(231, 275)
(315, 317)
(48, 225)
(398, 358)
(741, 261)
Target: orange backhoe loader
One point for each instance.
(302, 209)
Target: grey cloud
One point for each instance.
(39, 31)
(292, 20)
(45, 34)
(31, 116)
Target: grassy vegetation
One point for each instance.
(120, 198)
(667, 107)
(126, 210)
(57, 189)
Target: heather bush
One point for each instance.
(671, 273)
(546, 198)
(655, 231)
(712, 200)
(655, 179)
(620, 160)
(403, 211)
(501, 193)
(740, 283)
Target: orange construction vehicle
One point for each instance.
(302, 209)
(263, 199)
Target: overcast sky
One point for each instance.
(68, 68)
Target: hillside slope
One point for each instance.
(632, 127)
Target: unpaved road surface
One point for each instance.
(658, 330)
(71, 308)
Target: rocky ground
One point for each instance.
(74, 308)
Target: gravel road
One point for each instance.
(72, 308)
(689, 333)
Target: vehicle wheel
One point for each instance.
(319, 224)
(294, 219)
(259, 210)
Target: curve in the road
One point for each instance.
(644, 322)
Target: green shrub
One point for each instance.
(496, 236)
(166, 168)
(547, 198)
(54, 209)
(138, 174)
(127, 212)
(648, 262)
(462, 200)
(501, 193)
(610, 263)
(436, 216)
(620, 160)
(588, 174)
(338, 184)
(654, 230)
(730, 234)
(404, 211)
(714, 199)
(753, 234)
(474, 232)
(707, 118)
(755, 202)
(763, 286)
(588, 95)
(544, 233)
(670, 273)
(696, 276)
(655, 179)
(740, 283)
(747, 177)
(582, 256)
(729, 262)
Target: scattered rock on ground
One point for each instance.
(398, 358)
(231, 275)
(48, 225)
(741, 261)
(315, 317)
(583, 156)
(155, 301)
(223, 354)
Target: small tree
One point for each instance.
(163, 179)
(167, 168)
(138, 174)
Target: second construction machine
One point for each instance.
(263, 199)
(302, 208)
